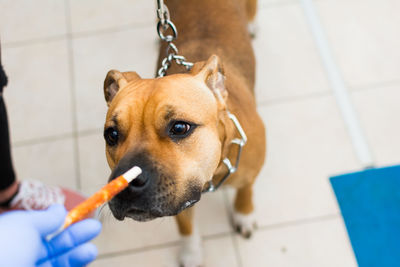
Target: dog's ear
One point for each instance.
(212, 74)
(116, 80)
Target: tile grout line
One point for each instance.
(90, 33)
(217, 235)
(237, 250)
(71, 35)
(288, 99)
(303, 221)
(33, 41)
(121, 28)
(278, 4)
(52, 138)
(74, 114)
(159, 246)
(277, 101)
(117, 29)
(353, 89)
(238, 256)
(281, 3)
(137, 250)
(41, 140)
(374, 86)
(232, 234)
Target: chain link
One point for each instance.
(163, 26)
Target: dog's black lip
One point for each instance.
(120, 216)
(188, 204)
(135, 211)
(140, 215)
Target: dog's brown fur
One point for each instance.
(223, 31)
(139, 108)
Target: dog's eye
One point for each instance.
(180, 129)
(111, 136)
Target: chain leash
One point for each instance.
(163, 25)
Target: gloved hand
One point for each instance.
(23, 239)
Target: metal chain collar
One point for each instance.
(163, 25)
(231, 168)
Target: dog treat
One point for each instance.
(102, 196)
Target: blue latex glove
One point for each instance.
(23, 239)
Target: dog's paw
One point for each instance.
(191, 254)
(244, 224)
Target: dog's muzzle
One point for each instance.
(152, 194)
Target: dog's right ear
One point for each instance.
(212, 74)
(115, 80)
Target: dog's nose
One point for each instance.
(139, 185)
(140, 182)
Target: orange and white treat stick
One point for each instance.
(102, 196)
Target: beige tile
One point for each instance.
(306, 144)
(119, 236)
(95, 56)
(96, 15)
(94, 169)
(364, 38)
(217, 252)
(323, 243)
(50, 162)
(24, 19)
(379, 111)
(211, 215)
(164, 257)
(38, 95)
(128, 234)
(93, 15)
(268, 3)
(287, 61)
(220, 252)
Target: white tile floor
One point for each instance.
(57, 52)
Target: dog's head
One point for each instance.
(172, 128)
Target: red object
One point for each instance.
(35, 195)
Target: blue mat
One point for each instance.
(370, 205)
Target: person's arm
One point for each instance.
(23, 239)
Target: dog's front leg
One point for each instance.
(243, 217)
(191, 253)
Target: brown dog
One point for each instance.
(177, 128)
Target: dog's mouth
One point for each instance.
(140, 215)
(134, 213)
(148, 215)
(188, 204)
